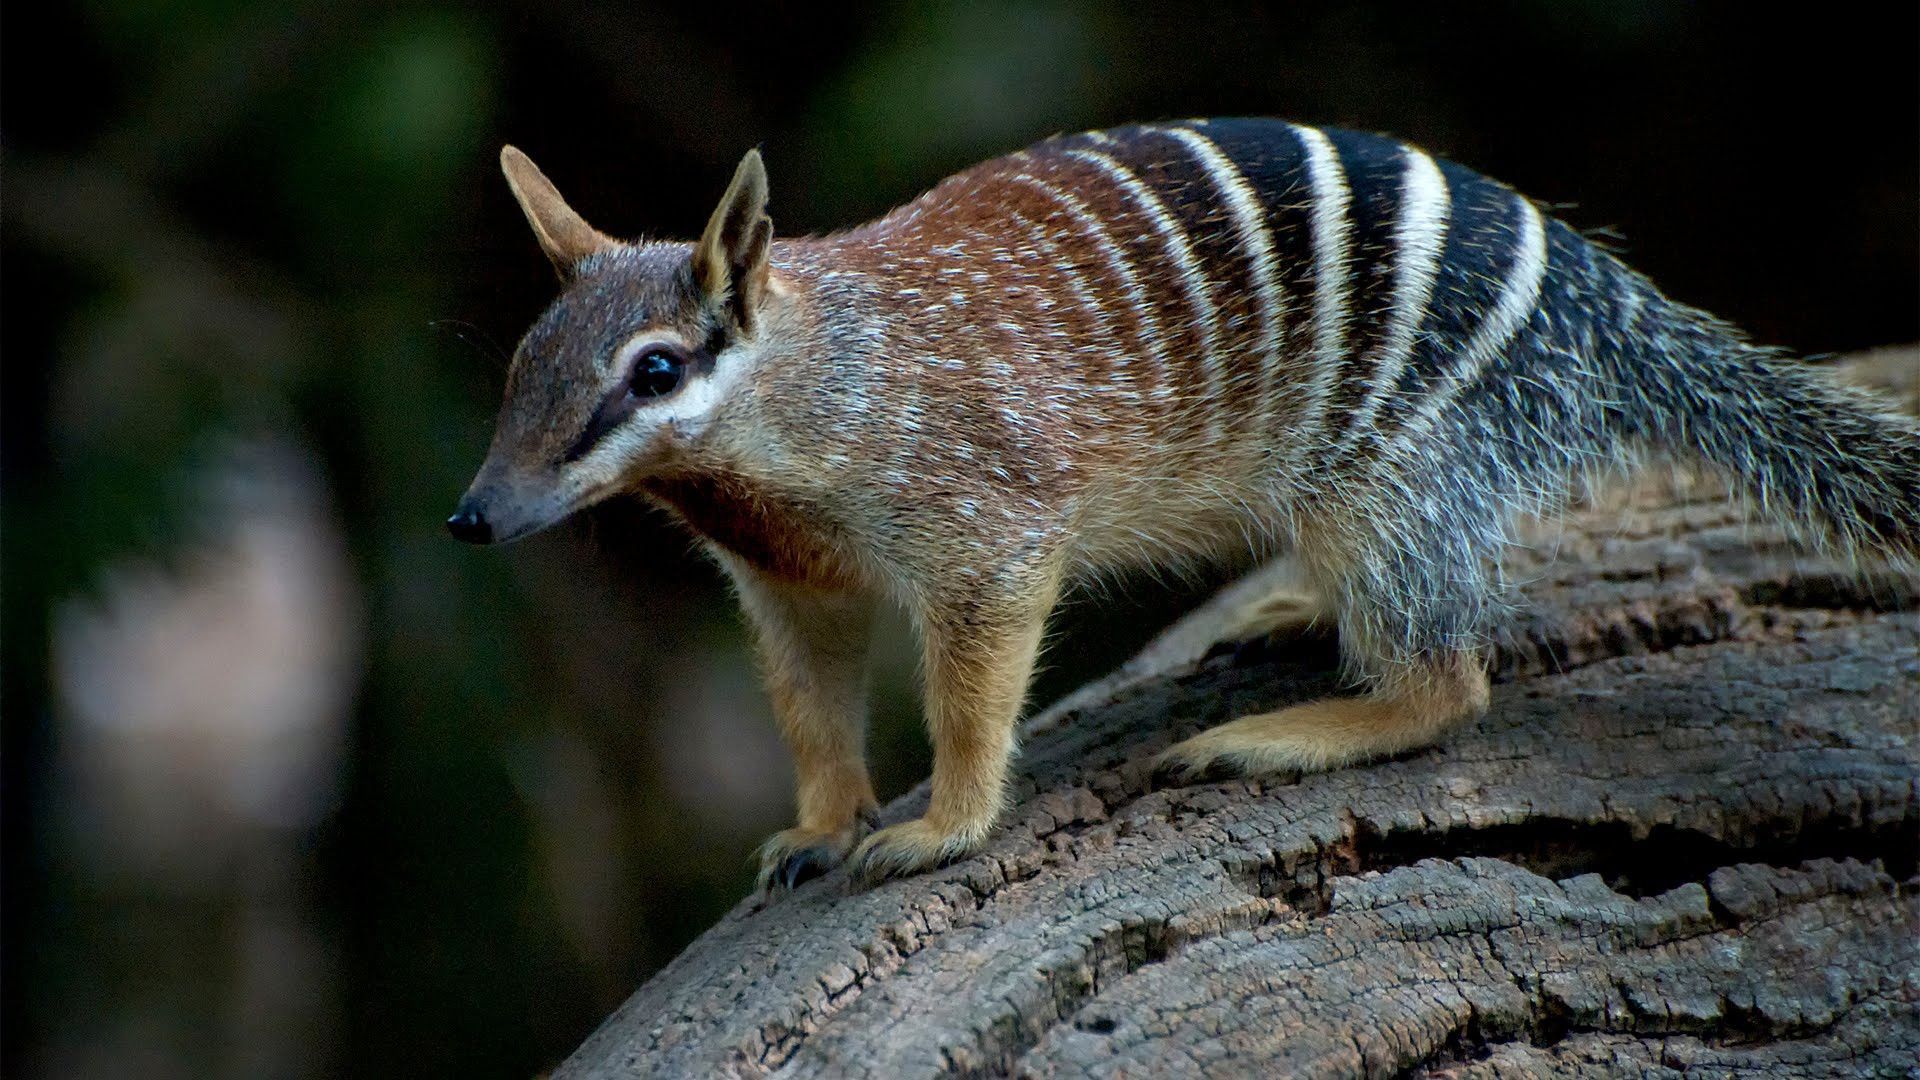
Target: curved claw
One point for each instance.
(1168, 771)
(1175, 768)
(796, 856)
(802, 866)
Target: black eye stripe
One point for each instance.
(615, 407)
(620, 403)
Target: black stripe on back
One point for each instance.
(1271, 158)
(1482, 243)
(1375, 168)
(1202, 212)
(1133, 230)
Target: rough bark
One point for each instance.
(1684, 839)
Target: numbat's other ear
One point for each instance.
(730, 261)
(564, 235)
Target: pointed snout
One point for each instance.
(469, 523)
(501, 507)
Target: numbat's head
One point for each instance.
(628, 375)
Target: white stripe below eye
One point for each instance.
(1251, 221)
(689, 408)
(1151, 341)
(1330, 272)
(1198, 289)
(1419, 238)
(1510, 312)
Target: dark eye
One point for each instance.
(657, 373)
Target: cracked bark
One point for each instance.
(1683, 839)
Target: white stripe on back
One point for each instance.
(1419, 238)
(1251, 220)
(1086, 296)
(1330, 280)
(1206, 316)
(1151, 339)
(1510, 312)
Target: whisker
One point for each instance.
(473, 334)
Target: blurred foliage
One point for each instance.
(889, 118)
(229, 218)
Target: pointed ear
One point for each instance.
(564, 235)
(730, 259)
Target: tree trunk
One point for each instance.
(1685, 837)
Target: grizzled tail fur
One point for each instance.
(1838, 464)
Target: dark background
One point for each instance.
(294, 785)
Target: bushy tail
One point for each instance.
(1835, 461)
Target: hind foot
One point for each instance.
(1282, 613)
(1331, 732)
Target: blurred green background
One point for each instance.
(296, 786)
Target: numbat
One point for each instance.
(1126, 349)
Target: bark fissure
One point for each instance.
(1824, 1044)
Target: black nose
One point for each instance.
(469, 525)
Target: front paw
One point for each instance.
(910, 847)
(792, 857)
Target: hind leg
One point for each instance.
(1409, 591)
(1280, 603)
(1403, 712)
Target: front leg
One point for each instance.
(813, 645)
(979, 657)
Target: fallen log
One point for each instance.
(1685, 837)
